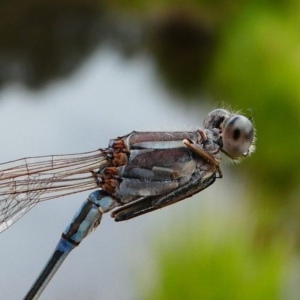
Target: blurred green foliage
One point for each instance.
(257, 65)
(219, 262)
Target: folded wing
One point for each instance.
(27, 181)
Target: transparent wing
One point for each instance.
(27, 181)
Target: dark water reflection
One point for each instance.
(46, 41)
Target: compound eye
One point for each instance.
(237, 136)
(216, 118)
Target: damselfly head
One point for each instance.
(236, 132)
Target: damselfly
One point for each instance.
(137, 173)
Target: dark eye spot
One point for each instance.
(236, 134)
